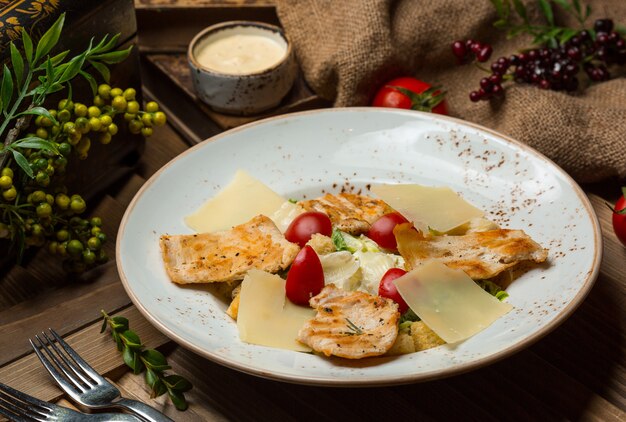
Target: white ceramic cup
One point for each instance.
(247, 93)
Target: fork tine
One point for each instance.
(77, 359)
(6, 390)
(67, 386)
(69, 364)
(15, 405)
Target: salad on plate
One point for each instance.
(399, 270)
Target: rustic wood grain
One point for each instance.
(99, 350)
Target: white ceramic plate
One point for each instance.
(306, 154)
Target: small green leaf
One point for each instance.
(22, 162)
(49, 39)
(546, 8)
(338, 240)
(564, 4)
(59, 57)
(112, 57)
(73, 67)
(131, 339)
(501, 24)
(18, 64)
(102, 69)
(501, 295)
(178, 383)
(49, 72)
(151, 378)
(155, 360)
(129, 357)
(566, 35)
(27, 42)
(34, 142)
(521, 10)
(515, 31)
(112, 42)
(39, 111)
(120, 321)
(576, 4)
(104, 325)
(158, 389)
(133, 360)
(499, 5)
(106, 44)
(178, 399)
(92, 82)
(118, 341)
(6, 88)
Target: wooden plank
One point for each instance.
(194, 127)
(145, 4)
(161, 150)
(64, 309)
(172, 31)
(28, 375)
(17, 285)
(125, 193)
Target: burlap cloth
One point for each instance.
(348, 48)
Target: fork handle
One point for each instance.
(146, 412)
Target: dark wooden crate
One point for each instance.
(165, 31)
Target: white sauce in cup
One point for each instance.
(241, 52)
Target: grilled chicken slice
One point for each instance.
(481, 255)
(350, 325)
(227, 255)
(349, 212)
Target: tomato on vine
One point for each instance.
(411, 94)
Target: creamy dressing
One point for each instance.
(241, 54)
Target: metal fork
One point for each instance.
(18, 406)
(82, 383)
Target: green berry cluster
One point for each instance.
(39, 211)
(78, 123)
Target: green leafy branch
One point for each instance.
(50, 75)
(550, 34)
(138, 358)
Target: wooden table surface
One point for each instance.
(577, 372)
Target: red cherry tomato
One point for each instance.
(307, 224)
(387, 289)
(389, 96)
(305, 278)
(619, 220)
(381, 231)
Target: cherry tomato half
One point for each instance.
(390, 96)
(307, 224)
(619, 220)
(387, 289)
(381, 231)
(305, 278)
